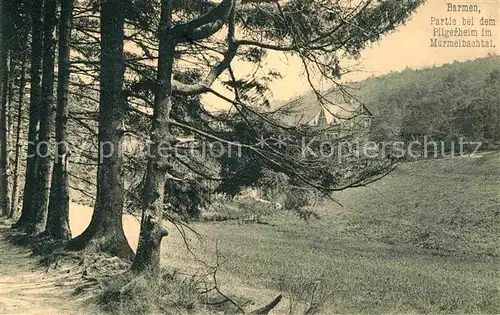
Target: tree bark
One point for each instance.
(43, 162)
(2, 78)
(4, 145)
(10, 92)
(152, 230)
(58, 213)
(2, 71)
(15, 175)
(4, 81)
(27, 214)
(105, 232)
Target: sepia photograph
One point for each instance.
(224, 157)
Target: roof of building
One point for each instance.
(308, 110)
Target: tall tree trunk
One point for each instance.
(4, 81)
(152, 230)
(5, 161)
(27, 215)
(2, 71)
(105, 232)
(58, 214)
(15, 175)
(43, 162)
(10, 93)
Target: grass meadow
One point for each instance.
(425, 239)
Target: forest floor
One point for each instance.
(27, 288)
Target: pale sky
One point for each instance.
(408, 46)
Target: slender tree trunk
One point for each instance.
(15, 175)
(105, 232)
(2, 71)
(10, 95)
(58, 214)
(4, 81)
(152, 230)
(43, 163)
(5, 161)
(4, 145)
(27, 215)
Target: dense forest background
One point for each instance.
(446, 103)
(449, 104)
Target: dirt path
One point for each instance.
(26, 288)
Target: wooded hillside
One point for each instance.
(444, 103)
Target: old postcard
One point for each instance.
(290, 157)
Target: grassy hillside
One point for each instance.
(425, 239)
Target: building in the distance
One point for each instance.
(345, 115)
